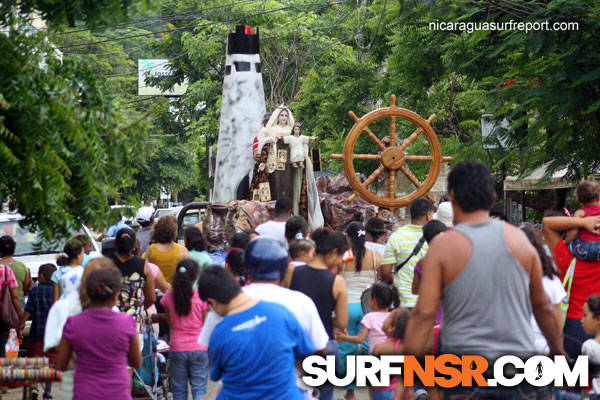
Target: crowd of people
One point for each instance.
(453, 280)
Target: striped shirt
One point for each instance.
(399, 247)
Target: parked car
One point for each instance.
(164, 211)
(32, 248)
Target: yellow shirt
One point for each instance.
(165, 260)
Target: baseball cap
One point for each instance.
(144, 214)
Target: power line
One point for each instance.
(189, 25)
(142, 45)
(378, 24)
(151, 33)
(187, 51)
(167, 17)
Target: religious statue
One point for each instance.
(298, 146)
(274, 175)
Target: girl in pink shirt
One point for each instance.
(394, 327)
(383, 298)
(188, 360)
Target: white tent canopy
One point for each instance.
(531, 182)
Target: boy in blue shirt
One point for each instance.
(254, 348)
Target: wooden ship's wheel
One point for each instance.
(392, 157)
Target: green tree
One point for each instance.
(64, 143)
(68, 12)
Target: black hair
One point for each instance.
(240, 239)
(46, 270)
(194, 239)
(432, 228)
(375, 227)
(219, 284)
(125, 241)
(400, 321)
(293, 127)
(294, 225)
(298, 247)
(535, 237)
(327, 241)
(102, 284)
(473, 186)
(235, 260)
(357, 234)
(420, 207)
(250, 232)
(7, 246)
(385, 295)
(183, 281)
(593, 303)
(283, 205)
(72, 250)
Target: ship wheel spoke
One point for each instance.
(411, 139)
(368, 181)
(366, 129)
(366, 156)
(413, 179)
(416, 133)
(393, 131)
(425, 158)
(373, 176)
(392, 184)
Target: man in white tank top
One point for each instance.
(488, 287)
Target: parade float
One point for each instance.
(258, 160)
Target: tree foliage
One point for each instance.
(64, 143)
(322, 57)
(68, 12)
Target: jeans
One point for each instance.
(192, 366)
(574, 336)
(585, 251)
(383, 395)
(524, 391)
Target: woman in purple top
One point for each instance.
(104, 342)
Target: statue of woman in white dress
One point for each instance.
(272, 172)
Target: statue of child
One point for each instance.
(298, 146)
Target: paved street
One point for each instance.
(17, 394)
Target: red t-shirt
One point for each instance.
(586, 280)
(590, 211)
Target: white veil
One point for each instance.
(275, 116)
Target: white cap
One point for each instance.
(445, 214)
(144, 214)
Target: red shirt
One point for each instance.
(590, 211)
(586, 280)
